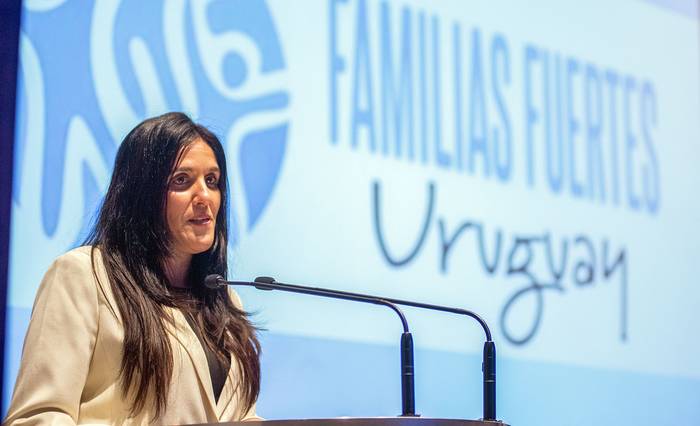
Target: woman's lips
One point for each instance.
(200, 221)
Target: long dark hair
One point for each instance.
(132, 234)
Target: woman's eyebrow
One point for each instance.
(190, 169)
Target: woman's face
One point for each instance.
(193, 200)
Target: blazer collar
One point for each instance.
(184, 334)
(190, 343)
(231, 388)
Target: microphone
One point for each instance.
(408, 401)
(488, 366)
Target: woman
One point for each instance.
(123, 330)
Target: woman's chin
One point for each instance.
(200, 246)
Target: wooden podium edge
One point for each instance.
(364, 421)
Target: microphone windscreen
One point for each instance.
(265, 280)
(212, 281)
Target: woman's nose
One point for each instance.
(202, 190)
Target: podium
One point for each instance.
(365, 421)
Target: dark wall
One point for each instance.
(9, 37)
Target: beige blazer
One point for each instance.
(72, 356)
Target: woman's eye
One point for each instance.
(179, 180)
(212, 180)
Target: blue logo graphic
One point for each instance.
(89, 74)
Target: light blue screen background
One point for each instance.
(536, 163)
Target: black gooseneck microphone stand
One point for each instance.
(488, 366)
(408, 402)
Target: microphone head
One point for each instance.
(265, 280)
(213, 281)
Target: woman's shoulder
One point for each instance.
(79, 254)
(82, 257)
(75, 268)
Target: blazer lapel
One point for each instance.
(229, 390)
(189, 341)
